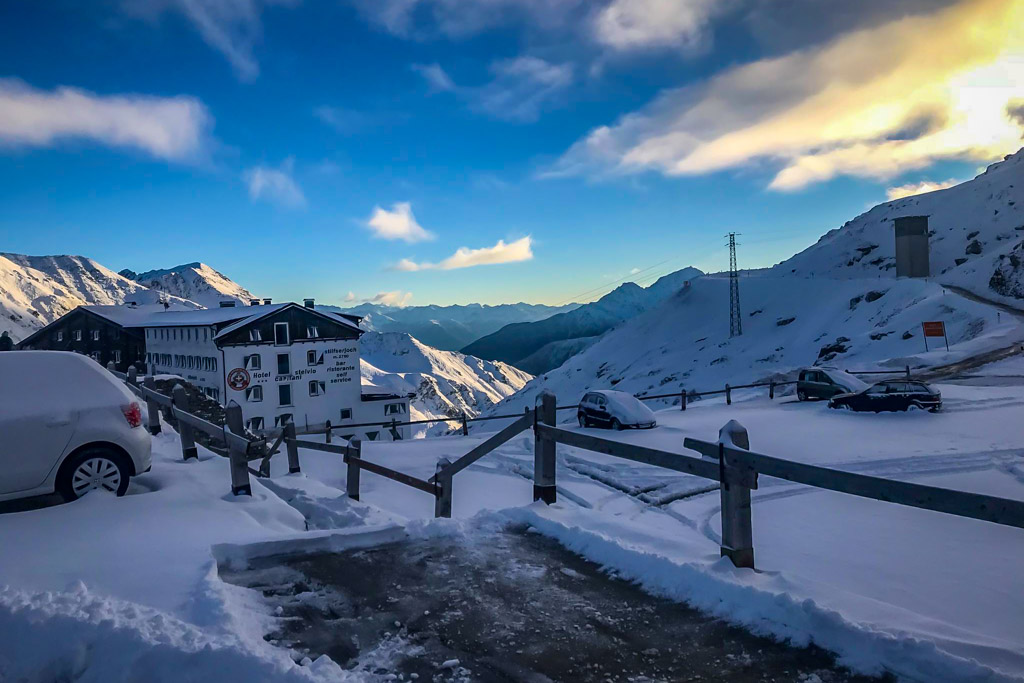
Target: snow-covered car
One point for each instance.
(889, 396)
(614, 409)
(824, 383)
(66, 425)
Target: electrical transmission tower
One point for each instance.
(735, 321)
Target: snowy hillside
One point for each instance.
(977, 236)
(193, 281)
(446, 384)
(450, 328)
(788, 322)
(523, 345)
(36, 290)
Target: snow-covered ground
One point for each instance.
(106, 586)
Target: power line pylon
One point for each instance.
(735, 320)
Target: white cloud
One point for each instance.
(232, 27)
(633, 24)
(520, 250)
(275, 185)
(912, 189)
(436, 77)
(171, 128)
(871, 103)
(350, 297)
(397, 298)
(397, 224)
(518, 90)
(460, 18)
(634, 271)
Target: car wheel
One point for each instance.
(93, 469)
(616, 425)
(800, 395)
(583, 420)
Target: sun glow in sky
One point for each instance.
(448, 151)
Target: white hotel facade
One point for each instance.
(279, 362)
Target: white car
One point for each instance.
(614, 409)
(66, 425)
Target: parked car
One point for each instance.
(824, 383)
(616, 410)
(890, 395)
(66, 425)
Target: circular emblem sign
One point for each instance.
(238, 379)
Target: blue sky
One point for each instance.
(451, 151)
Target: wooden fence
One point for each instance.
(729, 461)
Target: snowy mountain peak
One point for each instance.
(194, 281)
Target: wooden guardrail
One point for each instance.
(730, 462)
(240, 447)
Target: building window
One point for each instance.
(253, 362)
(311, 358)
(215, 363)
(254, 335)
(256, 424)
(394, 408)
(317, 388)
(254, 394)
(282, 419)
(78, 335)
(95, 335)
(312, 332)
(60, 336)
(346, 413)
(117, 355)
(372, 436)
(284, 366)
(284, 394)
(281, 334)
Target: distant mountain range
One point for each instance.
(450, 328)
(537, 347)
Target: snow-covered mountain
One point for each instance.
(977, 236)
(450, 327)
(539, 346)
(446, 383)
(196, 282)
(837, 302)
(36, 290)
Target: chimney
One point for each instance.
(254, 302)
(266, 302)
(308, 303)
(227, 304)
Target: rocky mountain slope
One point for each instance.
(451, 327)
(540, 346)
(446, 383)
(36, 290)
(196, 282)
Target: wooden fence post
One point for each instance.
(395, 434)
(737, 528)
(293, 448)
(132, 377)
(238, 455)
(188, 441)
(908, 369)
(728, 395)
(771, 390)
(465, 426)
(682, 398)
(443, 497)
(544, 452)
(152, 407)
(327, 426)
(355, 451)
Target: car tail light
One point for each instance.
(132, 413)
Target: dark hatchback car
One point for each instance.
(824, 383)
(890, 395)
